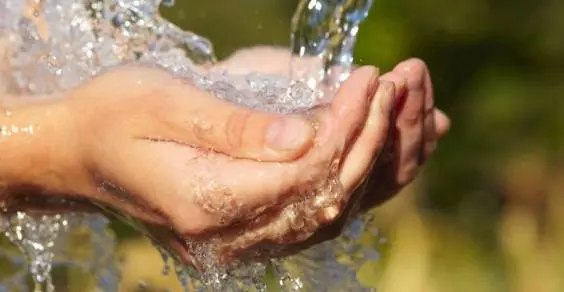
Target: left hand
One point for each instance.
(414, 132)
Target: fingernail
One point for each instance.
(288, 133)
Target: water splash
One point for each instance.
(36, 238)
(323, 40)
(86, 37)
(71, 241)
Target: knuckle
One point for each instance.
(235, 129)
(201, 130)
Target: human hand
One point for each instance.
(414, 131)
(413, 135)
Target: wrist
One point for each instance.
(37, 147)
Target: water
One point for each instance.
(86, 37)
(44, 242)
(323, 39)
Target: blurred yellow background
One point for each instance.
(488, 212)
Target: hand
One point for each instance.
(413, 135)
(365, 141)
(414, 132)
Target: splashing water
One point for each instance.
(84, 37)
(323, 39)
(56, 241)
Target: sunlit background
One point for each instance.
(488, 212)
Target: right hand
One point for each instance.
(413, 133)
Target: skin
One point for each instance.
(415, 128)
(158, 149)
(399, 147)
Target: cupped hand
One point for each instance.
(378, 166)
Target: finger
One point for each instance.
(410, 120)
(370, 141)
(435, 126)
(338, 126)
(367, 92)
(193, 117)
(442, 122)
(349, 110)
(351, 102)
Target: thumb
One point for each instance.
(207, 122)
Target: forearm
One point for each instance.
(33, 137)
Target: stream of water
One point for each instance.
(88, 36)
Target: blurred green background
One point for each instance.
(487, 214)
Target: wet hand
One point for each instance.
(412, 137)
(382, 164)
